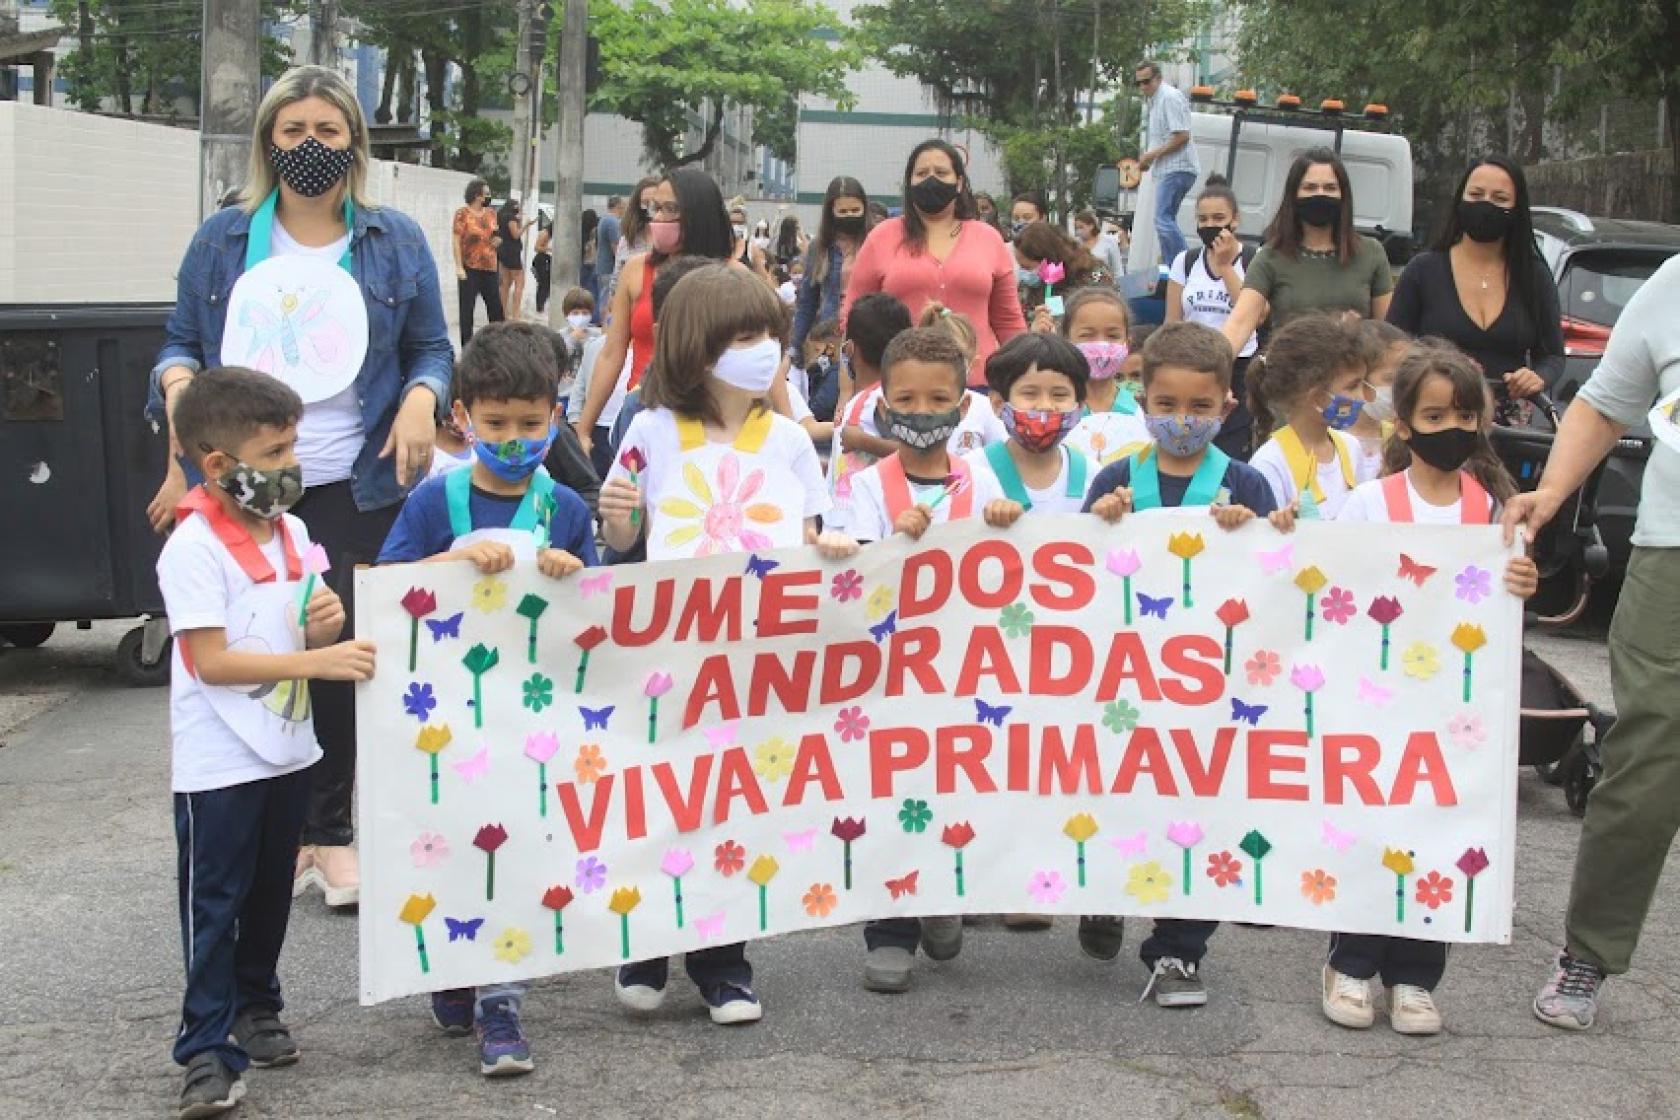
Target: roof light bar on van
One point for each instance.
(1331, 106)
(1245, 99)
(1288, 101)
(1376, 111)
(1201, 93)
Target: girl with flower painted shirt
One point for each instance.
(707, 468)
(1441, 470)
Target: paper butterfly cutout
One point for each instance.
(596, 718)
(463, 928)
(800, 841)
(1157, 607)
(1130, 845)
(1412, 570)
(760, 567)
(1337, 839)
(888, 625)
(721, 736)
(986, 713)
(1246, 713)
(1370, 692)
(710, 928)
(1274, 562)
(442, 628)
(474, 768)
(904, 886)
(598, 584)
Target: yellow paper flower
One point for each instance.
(880, 601)
(512, 945)
(763, 870)
(489, 595)
(1420, 661)
(433, 739)
(1080, 827)
(1187, 545)
(1310, 580)
(1469, 637)
(1149, 882)
(1397, 861)
(773, 759)
(414, 911)
(624, 900)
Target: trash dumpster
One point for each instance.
(79, 463)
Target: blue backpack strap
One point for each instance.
(457, 491)
(997, 454)
(1146, 480)
(1077, 466)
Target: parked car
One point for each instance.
(1598, 263)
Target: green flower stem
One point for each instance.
(959, 873)
(583, 671)
(1257, 891)
(303, 607)
(559, 934)
(1187, 600)
(1400, 899)
(1080, 860)
(1187, 873)
(624, 935)
(1385, 648)
(848, 847)
(763, 909)
(420, 944)
(1309, 716)
(1467, 678)
(531, 643)
(676, 886)
(434, 780)
(1469, 900)
(1309, 616)
(490, 876)
(542, 789)
(413, 641)
(1126, 584)
(1230, 638)
(653, 719)
(478, 702)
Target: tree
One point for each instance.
(667, 65)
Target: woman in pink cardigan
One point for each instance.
(939, 250)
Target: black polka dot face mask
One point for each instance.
(311, 169)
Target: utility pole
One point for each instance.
(231, 78)
(522, 82)
(323, 33)
(567, 245)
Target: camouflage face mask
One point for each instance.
(264, 493)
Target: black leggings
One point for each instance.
(479, 283)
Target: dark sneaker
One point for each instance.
(1175, 984)
(887, 969)
(264, 1037)
(732, 1003)
(452, 1011)
(641, 986)
(1570, 998)
(1100, 936)
(209, 1088)
(502, 1049)
(942, 938)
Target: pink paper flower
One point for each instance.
(1046, 887)
(540, 746)
(1186, 834)
(1307, 678)
(1465, 731)
(851, 724)
(1263, 668)
(658, 684)
(846, 586)
(1051, 272)
(1124, 561)
(1338, 606)
(677, 862)
(428, 850)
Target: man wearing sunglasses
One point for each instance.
(1170, 156)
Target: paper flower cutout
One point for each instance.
(1119, 716)
(677, 862)
(1263, 668)
(624, 900)
(1224, 869)
(820, 900)
(1149, 883)
(1319, 887)
(419, 701)
(1124, 562)
(1473, 862)
(848, 829)
(1465, 731)
(915, 815)
(1016, 620)
(541, 746)
(846, 586)
(957, 835)
(1385, 609)
(658, 684)
(1468, 637)
(489, 595)
(1434, 890)
(1311, 580)
(590, 638)
(433, 739)
(490, 837)
(591, 874)
(1397, 861)
(1046, 887)
(539, 692)
(557, 897)
(880, 602)
(590, 764)
(851, 724)
(1051, 272)
(763, 870)
(728, 858)
(773, 759)
(1307, 677)
(417, 909)
(1338, 606)
(1474, 584)
(1186, 834)
(1186, 546)
(428, 850)
(419, 602)
(1232, 613)
(1080, 827)
(1257, 847)
(1420, 661)
(512, 945)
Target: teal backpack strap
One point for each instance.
(259, 240)
(457, 490)
(1205, 483)
(1077, 465)
(537, 508)
(1146, 480)
(1003, 466)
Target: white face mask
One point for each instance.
(752, 368)
(578, 319)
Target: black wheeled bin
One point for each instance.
(80, 462)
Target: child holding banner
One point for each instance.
(1186, 387)
(1310, 376)
(1111, 424)
(1442, 470)
(875, 320)
(504, 510)
(246, 645)
(1038, 384)
(708, 468)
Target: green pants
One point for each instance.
(1634, 813)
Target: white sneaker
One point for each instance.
(340, 874)
(306, 874)
(1412, 1010)
(633, 985)
(1347, 1002)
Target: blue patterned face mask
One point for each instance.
(1342, 412)
(1027, 278)
(514, 460)
(1183, 436)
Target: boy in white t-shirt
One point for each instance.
(239, 718)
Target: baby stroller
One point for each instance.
(1570, 553)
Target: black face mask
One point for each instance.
(932, 195)
(1210, 234)
(1445, 450)
(851, 224)
(1319, 210)
(1483, 220)
(311, 169)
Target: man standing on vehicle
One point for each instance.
(1634, 812)
(1171, 156)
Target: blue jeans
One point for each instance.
(1170, 190)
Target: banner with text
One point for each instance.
(1159, 718)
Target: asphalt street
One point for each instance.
(1020, 1025)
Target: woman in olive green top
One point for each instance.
(1312, 259)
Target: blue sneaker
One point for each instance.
(732, 1003)
(452, 1011)
(641, 986)
(502, 1049)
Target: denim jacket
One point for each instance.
(812, 295)
(408, 341)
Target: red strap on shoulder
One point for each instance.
(1474, 505)
(237, 540)
(895, 489)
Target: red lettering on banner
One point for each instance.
(1009, 586)
(624, 632)
(892, 750)
(836, 689)
(713, 684)
(812, 764)
(1339, 769)
(1070, 586)
(986, 656)
(1056, 766)
(1207, 679)
(1264, 763)
(1044, 681)
(775, 601)
(1128, 661)
(1422, 762)
(1204, 780)
(1020, 757)
(963, 747)
(711, 616)
(790, 684)
(635, 806)
(736, 780)
(913, 602)
(586, 835)
(1144, 755)
(685, 811)
(912, 652)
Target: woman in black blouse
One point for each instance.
(1484, 286)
